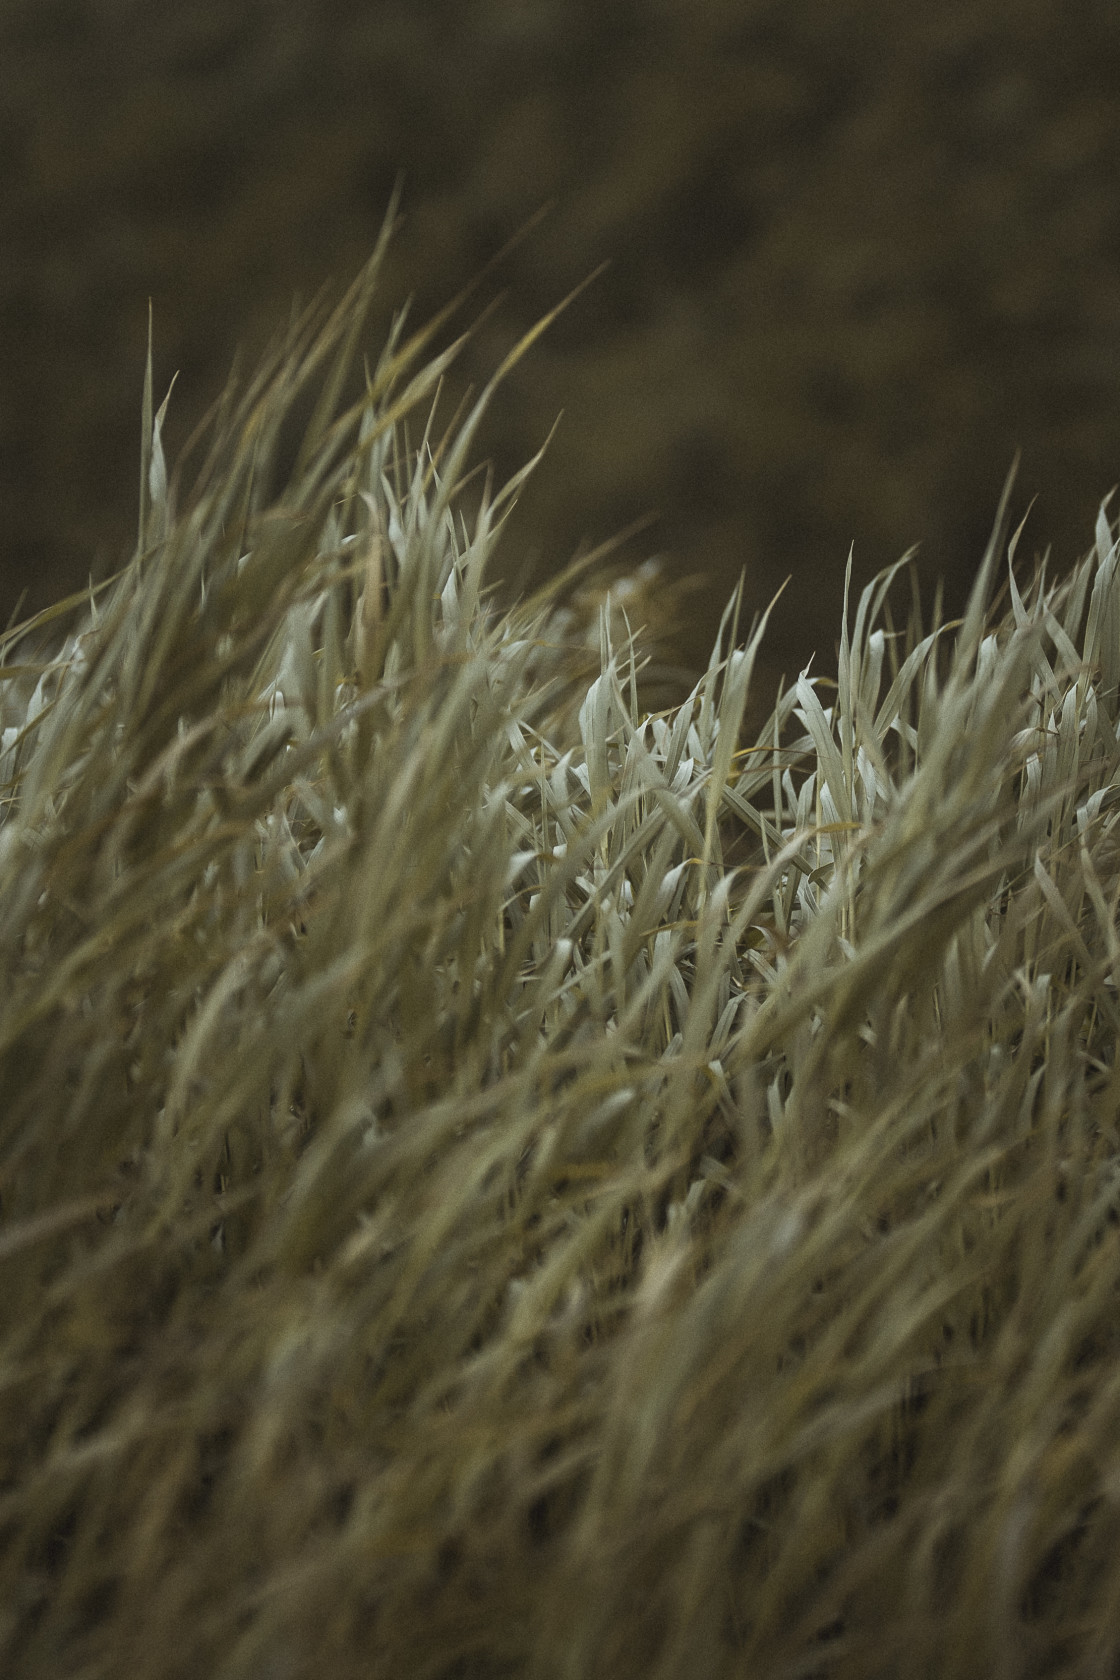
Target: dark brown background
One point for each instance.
(861, 250)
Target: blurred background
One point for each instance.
(860, 252)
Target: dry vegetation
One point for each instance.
(496, 1183)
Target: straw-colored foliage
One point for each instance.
(499, 1184)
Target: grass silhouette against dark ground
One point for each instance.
(860, 255)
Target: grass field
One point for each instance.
(497, 1181)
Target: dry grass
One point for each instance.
(499, 1184)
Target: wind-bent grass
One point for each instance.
(498, 1184)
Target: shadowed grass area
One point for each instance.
(497, 1183)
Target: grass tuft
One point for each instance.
(496, 1181)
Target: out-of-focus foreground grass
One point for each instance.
(499, 1183)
